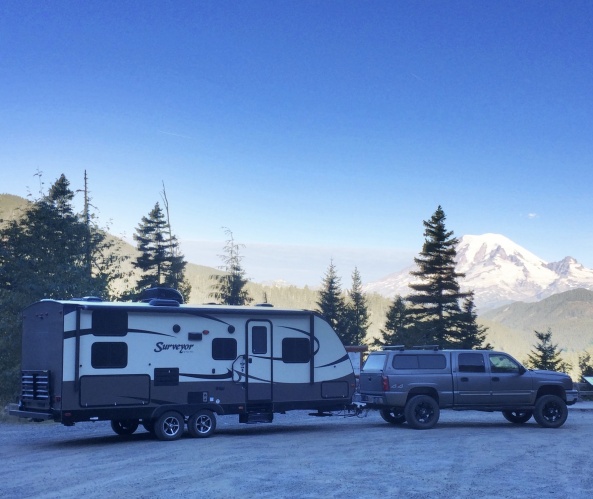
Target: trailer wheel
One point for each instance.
(202, 424)
(550, 411)
(517, 417)
(422, 412)
(124, 426)
(169, 426)
(393, 416)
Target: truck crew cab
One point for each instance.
(413, 385)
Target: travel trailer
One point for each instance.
(162, 364)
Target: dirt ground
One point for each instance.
(468, 454)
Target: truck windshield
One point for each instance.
(374, 362)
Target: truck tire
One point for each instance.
(422, 412)
(169, 426)
(393, 416)
(202, 424)
(517, 417)
(550, 411)
(124, 426)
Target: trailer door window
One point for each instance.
(296, 350)
(109, 355)
(259, 340)
(110, 322)
(224, 349)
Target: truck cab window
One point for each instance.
(503, 364)
(471, 363)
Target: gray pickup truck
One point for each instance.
(413, 385)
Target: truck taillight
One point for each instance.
(385, 381)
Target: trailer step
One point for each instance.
(256, 417)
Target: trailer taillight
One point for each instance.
(385, 381)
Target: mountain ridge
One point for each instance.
(499, 271)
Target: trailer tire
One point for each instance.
(169, 426)
(393, 416)
(422, 412)
(202, 424)
(124, 426)
(550, 411)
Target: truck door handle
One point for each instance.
(464, 379)
(496, 378)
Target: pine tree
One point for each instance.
(357, 313)
(397, 326)
(331, 303)
(585, 366)
(229, 287)
(45, 254)
(470, 335)
(546, 354)
(160, 260)
(434, 305)
(150, 237)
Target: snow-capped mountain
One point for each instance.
(499, 271)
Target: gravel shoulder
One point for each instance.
(468, 454)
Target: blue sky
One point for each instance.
(312, 129)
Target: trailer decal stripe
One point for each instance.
(227, 375)
(339, 361)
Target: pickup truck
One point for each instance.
(414, 385)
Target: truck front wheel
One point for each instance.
(550, 411)
(393, 416)
(422, 412)
(517, 417)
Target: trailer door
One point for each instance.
(259, 361)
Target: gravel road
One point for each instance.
(468, 454)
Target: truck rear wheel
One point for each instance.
(517, 417)
(124, 426)
(169, 426)
(393, 416)
(550, 411)
(422, 412)
(202, 424)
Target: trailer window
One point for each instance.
(224, 349)
(109, 355)
(296, 350)
(110, 322)
(259, 340)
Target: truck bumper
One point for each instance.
(571, 396)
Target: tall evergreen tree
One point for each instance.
(397, 326)
(545, 354)
(585, 366)
(357, 313)
(434, 304)
(331, 303)
(470, 335)
(45, 254)
(160, 260)
(229, 287)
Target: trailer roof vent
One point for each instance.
(264, 305)
(167, 294)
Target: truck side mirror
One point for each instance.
(522, 370)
